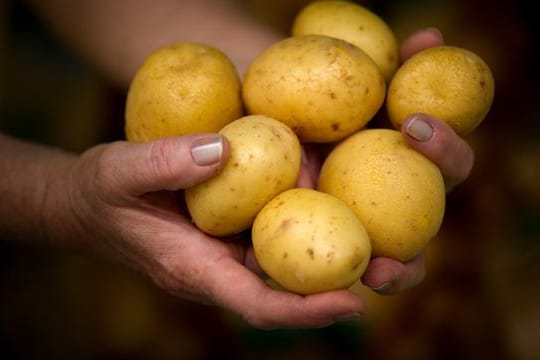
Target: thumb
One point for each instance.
(171, 163)
(437, 141)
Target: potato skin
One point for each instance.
(353, 23)
(451, 83)
(264, 161)
(323, 88)
(397, 193)
(180, 89)
(309, 242)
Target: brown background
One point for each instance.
(480, 298)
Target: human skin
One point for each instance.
(119, 200)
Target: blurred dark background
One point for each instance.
(481, 296)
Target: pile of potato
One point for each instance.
(323, 84)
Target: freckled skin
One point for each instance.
(310, 242)
(316, 85)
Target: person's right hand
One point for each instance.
(120, 200)
(428, 135)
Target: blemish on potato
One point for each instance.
(330, 256)
(355, 265)
(284, 225)
(310, 253)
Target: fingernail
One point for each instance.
(434, 31)
(347, 317)
(207, 151)
(383, 288)
(419, 129)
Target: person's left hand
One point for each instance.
(438, 142)
(123, 201)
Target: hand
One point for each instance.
(437, 141)
(121, 200)
(124, 200)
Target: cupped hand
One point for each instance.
(126, 200)
(438, 142)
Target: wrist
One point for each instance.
(27, 177)
(59, 224)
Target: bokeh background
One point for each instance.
(481, 296)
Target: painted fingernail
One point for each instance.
(347, 317)
(207, 151)
(383, 288)
(419, 129)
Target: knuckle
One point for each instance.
(159, 159)
(453, 155)
(105, 164)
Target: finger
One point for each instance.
(421, 40)
(387, 276)
(439, 142)
(167, 164)
(245, 293)
(310, 167)
(250, 261)
(304, 178)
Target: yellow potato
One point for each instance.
(264, 160)
(397, 193)
(354, 23)
(309, 242)
(181, 89)
(451, 83)
(323, 88)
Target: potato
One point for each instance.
(451, 83)
(355, 24)
(181, 89)
(264, 160)
(309, 242)
(397, 193)
(323, 88)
